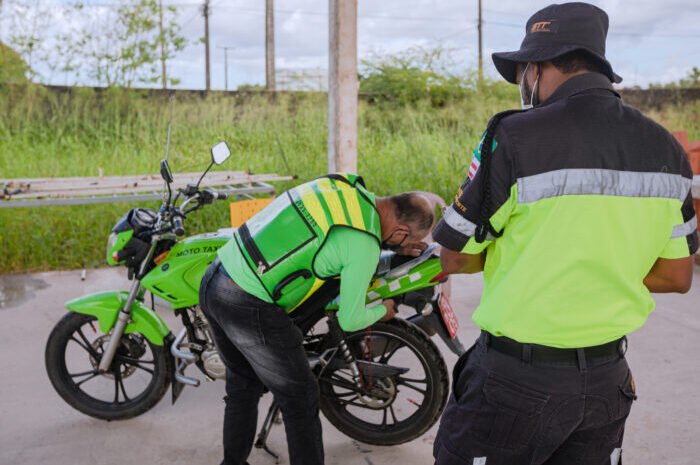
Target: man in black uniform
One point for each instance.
(576, 210)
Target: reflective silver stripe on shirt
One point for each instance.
(457, 222)
(602, 182)
(685, 228)
(460, 224)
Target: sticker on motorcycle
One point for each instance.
(448, 315)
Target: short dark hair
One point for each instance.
(409, 210)
(578, 60)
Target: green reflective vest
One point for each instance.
(280, 243)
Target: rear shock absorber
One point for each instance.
(338, 336)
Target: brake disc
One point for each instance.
(127, 345)
(381, 395)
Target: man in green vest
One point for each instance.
(332, 227)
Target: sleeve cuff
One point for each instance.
(448, 237)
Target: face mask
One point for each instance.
(524, 90)
(393, 248)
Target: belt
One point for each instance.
(535, 353)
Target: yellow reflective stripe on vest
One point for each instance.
(352, 204)
(311, 202)
(330, 195)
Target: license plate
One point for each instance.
(448, 315)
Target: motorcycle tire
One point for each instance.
(65, 385)
(437, 390)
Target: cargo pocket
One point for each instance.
(510, 413)
(460, 378)
(627, 395)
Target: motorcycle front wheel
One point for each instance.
(138, 378)
(387, 410)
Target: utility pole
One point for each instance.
(342, 86)
(164, 75)
(481, 61)
(205, 13)
(226, 49)
(269, 45)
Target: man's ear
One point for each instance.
(404, 229)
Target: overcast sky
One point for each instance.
(648, 41)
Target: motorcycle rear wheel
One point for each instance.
(352, 415)
(66, 341)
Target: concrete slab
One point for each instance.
(37, 427)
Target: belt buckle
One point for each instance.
(622, 346)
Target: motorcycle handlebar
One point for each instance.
(217, 195)
(178, 229)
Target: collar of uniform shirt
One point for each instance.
(580, 83)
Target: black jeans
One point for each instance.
(504, 411)
(261, 347)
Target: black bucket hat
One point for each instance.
(556, 30)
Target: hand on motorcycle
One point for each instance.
(390, 310)
(412, 249)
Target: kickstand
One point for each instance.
(261, 441)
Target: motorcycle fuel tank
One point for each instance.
(177, 278)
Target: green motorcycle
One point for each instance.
(113, 357)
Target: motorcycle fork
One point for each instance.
(124, 315)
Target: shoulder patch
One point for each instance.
(476, 157)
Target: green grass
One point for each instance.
(43, 134)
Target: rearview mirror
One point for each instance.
(220, 153)
(165, 171)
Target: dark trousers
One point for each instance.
(261, 347)
(505, 411)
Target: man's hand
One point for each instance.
(412, 249)
(390, 310)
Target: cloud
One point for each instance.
(649, 40)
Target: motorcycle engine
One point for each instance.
(213, 364)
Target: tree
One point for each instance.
(129, 46)
(13, 70)
(116, 44)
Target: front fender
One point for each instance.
(106, 306)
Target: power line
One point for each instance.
(611, 33)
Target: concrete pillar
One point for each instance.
(342, 86)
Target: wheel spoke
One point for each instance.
(386, 356)
(133, 361)
(384, 417)
(121, 385)
(137, 365)
(83, 373)
(87, 379)
(88, 348)
(410, 386)
(393, 414)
